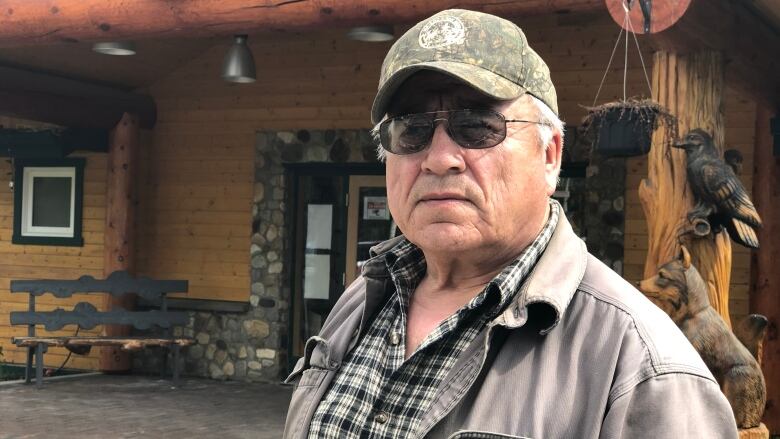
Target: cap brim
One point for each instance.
(485, 81)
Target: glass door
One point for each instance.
(338, 212)
(319, 253)
(368, 220)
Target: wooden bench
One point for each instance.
(85, 316)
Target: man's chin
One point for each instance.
(444, 236)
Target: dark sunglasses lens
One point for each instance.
(477, 128)
(406, 134)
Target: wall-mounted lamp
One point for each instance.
(372, 34)
(239, 65)
(121, 48)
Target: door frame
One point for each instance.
(353, 202)
(292, 174)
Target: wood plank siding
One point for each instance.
(43, 261)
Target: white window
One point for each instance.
(48, 199)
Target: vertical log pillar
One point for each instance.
(691, 87)
(765, 279)
(118, 243)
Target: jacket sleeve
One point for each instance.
(673, 405)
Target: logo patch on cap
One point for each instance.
(442, 32)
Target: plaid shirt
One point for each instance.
(376, 394)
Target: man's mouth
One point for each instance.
(441, 198)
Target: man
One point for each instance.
(488, 318)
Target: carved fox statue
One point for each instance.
(679, 290)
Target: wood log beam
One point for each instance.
(765, 277)
(119, 240)
(62, 101)
(748, 41)
(691, 87)
(129, 343)
(24, 22)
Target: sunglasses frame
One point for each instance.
(383, 126)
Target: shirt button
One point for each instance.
(394, 338)
(381, 417)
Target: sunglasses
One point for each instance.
(471, 129)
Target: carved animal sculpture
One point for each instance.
(734, 159)
(751, 331)
(720, 196)
(680, 291)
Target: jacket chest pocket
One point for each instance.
(312, 368)
(311, 377)
(470, 434)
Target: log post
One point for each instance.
(765, 278)
(119, 240)
(691, 87)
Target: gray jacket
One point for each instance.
(579, 353)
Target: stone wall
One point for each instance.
(602, 215)
(252, 346)
(605, 210)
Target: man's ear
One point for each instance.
(553, 153)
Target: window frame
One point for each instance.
(25, 170)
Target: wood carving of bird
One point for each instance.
(733, 158)
(720, 196)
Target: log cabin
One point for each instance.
(266, 195)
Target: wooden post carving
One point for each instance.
(690, 87)
(119, 241)
(765, 288)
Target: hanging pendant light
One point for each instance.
(122, 48)
(371, 34)
(239, 65)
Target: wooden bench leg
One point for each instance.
(176, 349)
(28, 366)
(39, 365)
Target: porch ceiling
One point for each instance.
(153, 60)
(160, 53)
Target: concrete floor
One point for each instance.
(129, 406)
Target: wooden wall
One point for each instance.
(54, 262)
(196, 196)
(195, 211)
(739, 118)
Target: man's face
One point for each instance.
(448, 198)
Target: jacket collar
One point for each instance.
(545, 294)
(550, 286)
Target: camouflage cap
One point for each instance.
(489, 53)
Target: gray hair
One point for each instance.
(549, 124)
(381, 153)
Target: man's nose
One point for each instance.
(444, 155)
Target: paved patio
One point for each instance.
(102, 406)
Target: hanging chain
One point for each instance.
(627, 25)
(641, 58)
(614, 49)
(626, 20)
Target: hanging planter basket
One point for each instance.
(625, 128)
